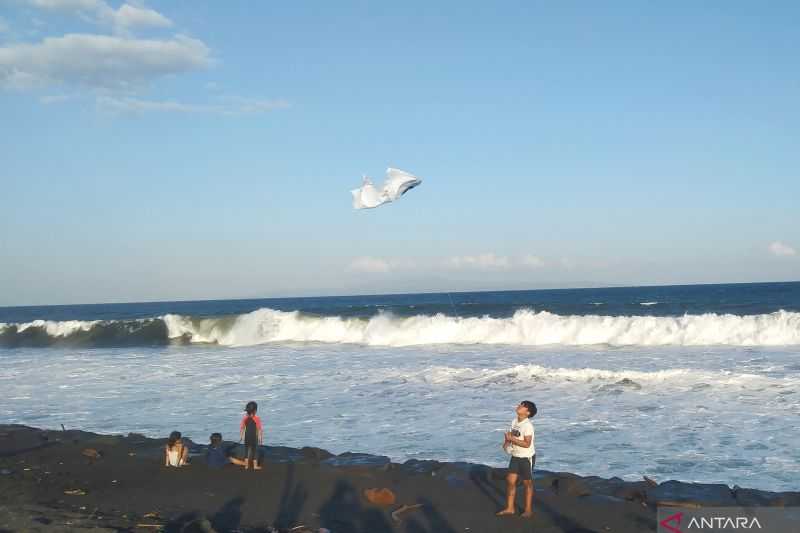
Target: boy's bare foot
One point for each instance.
(257, 467)
(505, 512)
(527, 514)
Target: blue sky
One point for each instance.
(182, 150)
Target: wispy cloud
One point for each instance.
(488, 261)
(226, 106)
(370, 265)
(54, 98)
(99, 61)
(115, 68)
(781, 249)
(532, 261)
(479, 262)
(122, 20)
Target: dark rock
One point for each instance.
(417, 466)
(603, 499)
(199, 525)
(315, 454)
(757, 498)
(790, 499)
(632, 490)
(701, 494)
(464, 472)
(357, 459)
(570, 485)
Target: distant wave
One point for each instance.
(525, 327)
(600, 379)
(648, 303)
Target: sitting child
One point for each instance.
(217, 456)
(175, 452)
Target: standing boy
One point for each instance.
(519, 443)
(251, 432)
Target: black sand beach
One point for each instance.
(49, 482)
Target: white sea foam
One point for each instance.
(525, 327)
(55, 328)
(532, 373)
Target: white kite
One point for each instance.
(397, 183)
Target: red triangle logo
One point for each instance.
(673, 527)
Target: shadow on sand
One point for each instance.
(342, 512)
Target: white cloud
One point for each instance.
(121, 20)
(532, 261)
(128, 16)
(370, 265)
(54, 98)
(229, 106)
(99, 61)
(378, 264)
(487, 261)
(781, 249)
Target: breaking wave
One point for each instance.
(526, 328)
(602, 380)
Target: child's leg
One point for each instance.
(511, 494)
(528, 498)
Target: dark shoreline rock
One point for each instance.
(316, 488)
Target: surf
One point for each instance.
(526, 327)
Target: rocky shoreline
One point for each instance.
(79, 481)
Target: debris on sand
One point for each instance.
(380, 496)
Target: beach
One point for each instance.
(79, 481)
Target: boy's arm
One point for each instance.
(523, 442)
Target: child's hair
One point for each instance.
(174, 437)
(251, 408)
(215, 438)
(531, 408)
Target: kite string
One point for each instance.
(455, 311)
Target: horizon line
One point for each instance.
(404, 293)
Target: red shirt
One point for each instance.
(255, 419)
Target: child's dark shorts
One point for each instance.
(522, 467)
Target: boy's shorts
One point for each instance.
(522, 467)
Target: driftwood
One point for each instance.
(403, 509)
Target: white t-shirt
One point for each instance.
(524, 429)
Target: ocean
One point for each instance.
(697, 383)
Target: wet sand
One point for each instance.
(48, 483)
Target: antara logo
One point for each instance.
(724, 522)
(672, 523)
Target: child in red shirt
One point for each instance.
(251, 432)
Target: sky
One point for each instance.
(193, 150)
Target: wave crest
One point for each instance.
(525, 328)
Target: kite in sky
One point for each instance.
(397, 183)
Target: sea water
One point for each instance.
(697, 383)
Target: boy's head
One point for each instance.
(216, 439)
(526, 409)
(251, 408)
